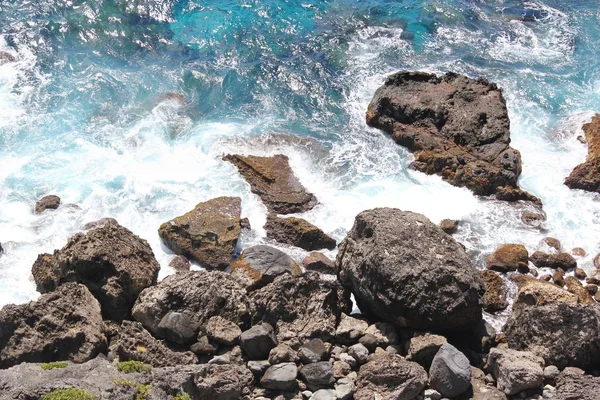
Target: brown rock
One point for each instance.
(508, 257)
(259, 265)
(245, 224)
(535, 292)
(585, 176)
(546, 277)
(559, 277)
(390, 377)
(298, 232)
(458, 128)
(111, 261)
(180, 264)
(578, 252)
(575, 287)
(591, 288)
(597, 261)
(50, 202)
(557, 260)
(552, 243)
(316, 261)
(208, 234)
(580, 274)
(494, 299)
(533, 219)
(273, 180)
(449, 226)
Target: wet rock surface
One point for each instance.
(298, 232)
(457, 127)
(553, 260)
(508, 257)
(272, 179)
(495, 297)
(110, 260)
(585, 176)
(208, 234)
(50, 202)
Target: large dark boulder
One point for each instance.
(301, 307)
(586, 176)
(390, 376)
(208, 234)
(404, 269)
(562, 334)
(458, 128)
(298, 232)
(273, 180)
(111, 261)
(63, 325)
(194, 297)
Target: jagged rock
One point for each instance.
(313, 351)
(390, 377)
(318, 375)
(258, 341)
(515, 371)
(180, 264)
(350, 329)
(575, 287)
(449, 226)
(259, 265)
(136, 343)
(585, 176)
(562, 334)
(208, 234)
(50, 202)
(272, 179)
(457, 127)
(534, 292)
(424, 347)
(508, 257)
(496, 291)
(301, 307)
(553, 260)
(381, 334)
(223, 331)
(63, 325)
(198, 295)
(111, 261)
(450, 372)
(316, 261)
(298, 232)
(281, 377)
(385, 250)
(580, 387)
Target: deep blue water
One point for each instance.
(87, 111)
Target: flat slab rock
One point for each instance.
(208, 234)
(586, 176)
(273, 180)
(457, 127)
(298, 232)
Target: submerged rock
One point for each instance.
(111, 261)
(585, 176)
(259, 265)
(273, 180)
(208, 234)
(388, 249)
(63, 325)
(390, 376)
(298, 232)
(50, 202)
(196, 295)
(458, 128)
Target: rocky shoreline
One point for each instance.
(254, 324)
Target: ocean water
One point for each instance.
(87, 112)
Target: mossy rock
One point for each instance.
(182, 396)
(130, 367)
(143, 391)
(68, 394)
(53, 365)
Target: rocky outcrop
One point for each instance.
(193, 298)
(319, 262)
(298, 232)
(508, 257)
(457, 127)
(259, 265)
(111, 261)
(390, 376)
(135, 343)
(580, 387)
(553, 260)
(272, 179)
(562, 334)
(515, 371)
(62, 325)
(50, 202)
(208, 234)
(301, 307)
(585, 176)
(495, 297)
(388, 249)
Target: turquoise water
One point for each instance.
(85, 112)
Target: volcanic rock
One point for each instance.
(258, 341)
(580, 387)
(319, 262)
(586, 176)
(450, 372)
(280, 377)
(259, 265)
(554, 260)
(389, 376)
(508, 257)
(298, 232)
(515, 371)
(496, 291)
(449, 226)
(50, 202)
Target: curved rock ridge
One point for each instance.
(208, 234)
(63, 325)
(404, 269)
(586, 176)
(457, 127)
(111, 261)
(273, 180)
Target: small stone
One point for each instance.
(306, 394)
(551, 373)
(282, 354)
(341, 369)
(318, 375)
(280, 377)
(393, 349)
(245, 224)
(578, 252)
(350, 329)
(449, 226)
(450, 372)
(203, 347)
(258, 341)
(222, 359)
(180, 264)
(552, 243)
(324, 394)
(591, 288)
(580, 274)
(319, 262)
(258, 367)
(50, 202)
(344, 389)
(359, 352)
(558, 277)
(349, 359)
(432, 394)
(223, 331)
(313, 351)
